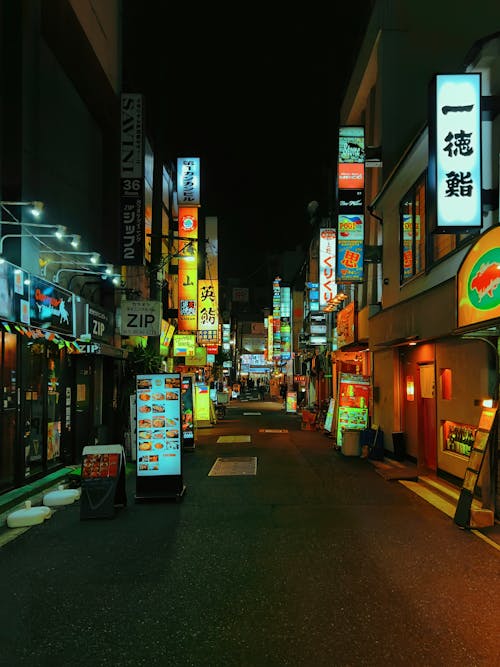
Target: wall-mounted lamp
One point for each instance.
(410, 388)
(36, 207)
(59, 233)
(116, 278)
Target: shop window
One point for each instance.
(412, 231)
(444, 244)
(446, 384)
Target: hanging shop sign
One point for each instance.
(100, 323)
(158, 443)
(141, 318)
(454, 174)
(478, 281)
(51, 307)
(350, 247)
(199, 358)
(327, 284)
(132, 180)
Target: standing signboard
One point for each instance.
(103, 481)
(158, 443)
(291, 401)
(474, 465)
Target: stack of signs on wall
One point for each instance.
(351, 181)
(158, 443)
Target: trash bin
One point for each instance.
(350, 442)
(399, 445)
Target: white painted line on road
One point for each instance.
(233, 438)
(252, 413)
(493, 544)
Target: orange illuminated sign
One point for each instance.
(351, 176)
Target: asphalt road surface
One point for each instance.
(313, 560)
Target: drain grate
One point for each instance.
(233, 438)
(227, 467)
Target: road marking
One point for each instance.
(233, 438)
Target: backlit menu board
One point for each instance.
(159, 425)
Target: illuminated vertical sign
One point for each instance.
(208, 309)
(350, 247)
(188, 268)
(269, 337)
(327, 284)
(188, 181)
(131, 180)
(285, 325)
(454, 175)
(351, 183)
(276, 319)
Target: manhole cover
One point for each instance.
(226, 467)
(233, 438)
(273, 430)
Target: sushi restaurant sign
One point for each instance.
(478, 281)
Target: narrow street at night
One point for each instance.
(314, 559)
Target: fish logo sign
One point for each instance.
(484, 280)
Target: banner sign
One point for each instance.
(132, 180)
(188, 268)
(327, 284)
(100, 323)
(454, 175)
(345, 325)
(350, 247)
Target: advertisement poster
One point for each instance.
(158, 424)
(187, 406)
(329, 416)
(202, 403)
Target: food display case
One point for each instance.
(457, 437)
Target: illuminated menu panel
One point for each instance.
(158, 424)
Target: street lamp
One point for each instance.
(36, 207)
(58, 234)
(108, 273)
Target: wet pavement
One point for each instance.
(314, 559)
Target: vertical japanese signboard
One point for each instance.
(188, 268)
(188, 181)
(158, 445)
(132, 180)
(208, 310)
(327, 284)
(454, 174)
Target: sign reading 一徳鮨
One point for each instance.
(454, 175)
(478, 281)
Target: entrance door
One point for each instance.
(427, 417)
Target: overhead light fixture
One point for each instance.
(25, 236)
(75, 242)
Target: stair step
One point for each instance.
(433, 497)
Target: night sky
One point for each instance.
(256, 97)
